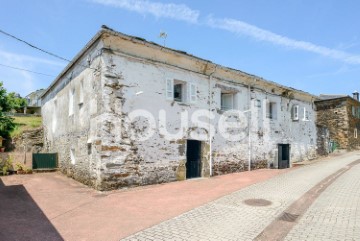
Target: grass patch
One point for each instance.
(24, 123)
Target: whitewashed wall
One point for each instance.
(99, 145)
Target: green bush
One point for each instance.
(6, 125)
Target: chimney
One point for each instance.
(356, 95)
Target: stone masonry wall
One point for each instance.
(341, 117)
(334, 115)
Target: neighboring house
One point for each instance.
(340, 114)
(130, 112)
(34, 102)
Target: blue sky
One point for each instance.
(309, 45)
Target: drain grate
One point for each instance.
(257, 202)
(288, 217)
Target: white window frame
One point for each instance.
(192, 93)
(188, 91)
(71, 102)
(169, 89)
(72, 156)
(355, 133)
(295, 113)
(271, 111)
(231, 105)
(81, 92)
(184, 91)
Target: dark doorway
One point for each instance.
(193, 159)
(284, 156)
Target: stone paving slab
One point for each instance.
(229, 218)
(335, 215)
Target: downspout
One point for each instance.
(210, 105)
(249, 125)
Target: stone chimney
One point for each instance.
(356, 95)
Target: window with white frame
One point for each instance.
(180, 91)
(227, 101)
(71, 102)
(355, 133)
(271, 111)
(306, 114)
(258, 103)
(295, 113)
(72, 156)
(81, 93)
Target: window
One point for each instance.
(72, 156)
(355, 133)
(89, 148)
(306, 114)
(54, 119)
(71, 102)
(271, 110)
(258, 103)
(169, 89)
(81, 92)
(353, 110)
(180, 91)
(227, 101)
(192, 92)
(295, 113)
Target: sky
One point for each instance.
(309, 45)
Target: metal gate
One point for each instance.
(44, 161)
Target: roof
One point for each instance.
(324, 97)
(104, 29)
(330, 97)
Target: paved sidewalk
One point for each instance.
(66, 209)
(229, 218)
(335, 215)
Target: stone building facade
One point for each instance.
(129, 112)
(340, 114)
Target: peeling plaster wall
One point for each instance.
(76, 136)
(133, 77)
(157, 159)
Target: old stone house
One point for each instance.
(130, 112)
(340, 114)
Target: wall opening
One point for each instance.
(283, 156)
(193, 159)
(72, 156)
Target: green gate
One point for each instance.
(44, 161)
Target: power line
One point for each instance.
(33, 46)
(40, 49)
(12, 67)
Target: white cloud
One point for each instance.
(239, 27)
(165, 10)
(24, 82)
(10, 57)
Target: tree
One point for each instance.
(6, 122)
(6, 125)
(3, 100)
(14, 102)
